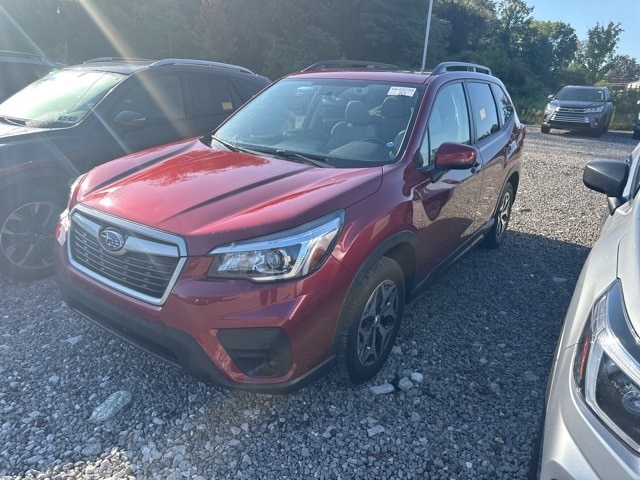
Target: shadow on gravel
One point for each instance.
(482, 337)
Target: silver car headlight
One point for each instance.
(607, 367)
(289, 254)
(594, 109)
(551, 108)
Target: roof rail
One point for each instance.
(347, 64)
(33, 56)
(116, 59)
(460, 66)
(207, 63)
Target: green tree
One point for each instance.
(625, 70)
(596, 54)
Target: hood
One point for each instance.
(202, 193)
(575, 104)
(9, 132)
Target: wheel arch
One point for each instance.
(401, 248)
(50, 179)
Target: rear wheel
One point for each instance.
(501, 218)
(371, 319)
(27, 227)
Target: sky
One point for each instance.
(585, 14)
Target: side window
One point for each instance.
(211, 96)
(483, 109)
(448, 122)
(156, 100)
(505, 108)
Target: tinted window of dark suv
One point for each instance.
(162, 103)
(212, 95)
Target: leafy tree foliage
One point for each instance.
(274, 37)
(596, 55)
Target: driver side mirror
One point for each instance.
(455, 156)
(129, 121)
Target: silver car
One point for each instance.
(592, 415)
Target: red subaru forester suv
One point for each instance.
(288, 240)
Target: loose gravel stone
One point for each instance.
(481, 338)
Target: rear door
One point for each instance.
(492, 120)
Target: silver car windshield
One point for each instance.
(343, 122)
(62, 98)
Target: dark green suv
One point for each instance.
(78, 117)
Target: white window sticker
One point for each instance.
(483, 114)
(404, 91)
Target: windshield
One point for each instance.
(344, 123)
(581, 94)
(62, 98)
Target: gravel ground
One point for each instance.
(460, 397)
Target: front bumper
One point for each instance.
(576, 444)
(583, 121)
(260, 337)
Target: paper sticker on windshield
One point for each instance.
(404, 91)
(227, 106)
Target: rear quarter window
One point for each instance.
(505, 107)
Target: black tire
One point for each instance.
(498, 231)
(371, 319)
(545, 129)
(27, 227)
(597, 131)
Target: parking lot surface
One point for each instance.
(459, 398)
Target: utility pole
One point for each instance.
(426, 36)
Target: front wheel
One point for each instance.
(371, 320)
(545, 129)
(27, 227)
(501, 218)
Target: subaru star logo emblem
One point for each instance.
(111, 240)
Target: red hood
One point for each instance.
(197, 192)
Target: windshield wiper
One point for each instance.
(295, 156)
(280, 153)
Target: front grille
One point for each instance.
(570, 115)
(147, 265)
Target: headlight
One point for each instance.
(289, 254)
(607, 369)
(551, 108)
(594, 110)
